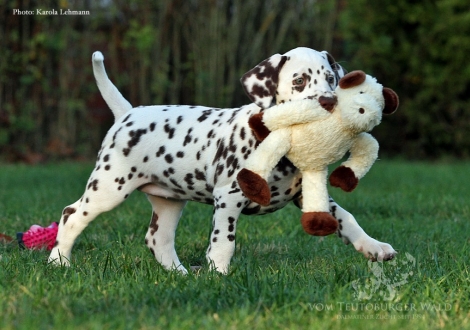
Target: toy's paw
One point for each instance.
(319, 223)
(343, 177)
(375, 250)
(254, 187)
(259, 129)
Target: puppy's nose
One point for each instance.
(327, 103)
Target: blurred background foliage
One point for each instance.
(195, 51)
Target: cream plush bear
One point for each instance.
(312, 138)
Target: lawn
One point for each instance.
(280, 278)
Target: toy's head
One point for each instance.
(362, 101)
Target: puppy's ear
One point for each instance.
(337, 68)
(391, 101)
(260, 83)
(352, 79)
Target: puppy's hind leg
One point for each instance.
(160, 237)
(98, 198)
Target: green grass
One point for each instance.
(280, 277)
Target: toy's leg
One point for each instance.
(252, 178)
(160, 236)
(316, 219)
(350, 232)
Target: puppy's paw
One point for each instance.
(57, 259)
(375, 250)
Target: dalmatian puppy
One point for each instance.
(175, 154)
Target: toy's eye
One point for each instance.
(361, 110)
(299, 81)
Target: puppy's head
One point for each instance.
(301, 73)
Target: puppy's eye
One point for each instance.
(331, 80)
(299, 81)
(361, 110)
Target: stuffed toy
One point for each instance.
(313, 138)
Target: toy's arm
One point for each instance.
(252, 179)
(293, 113)
(266, 156)
(363, 154)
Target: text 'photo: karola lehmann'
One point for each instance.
(51, 12)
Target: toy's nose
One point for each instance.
(327, 103)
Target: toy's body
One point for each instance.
(313, 138)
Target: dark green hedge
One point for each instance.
(194, 51)
(421, 49)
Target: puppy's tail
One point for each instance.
(118, 104)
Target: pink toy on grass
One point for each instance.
(38, 237)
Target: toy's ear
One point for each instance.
(352, 79)
(260, 83)
(391, 101)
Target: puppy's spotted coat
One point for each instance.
(180, 153)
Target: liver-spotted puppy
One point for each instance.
(179, 153)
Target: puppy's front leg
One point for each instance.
(350, 232)
(227, 208)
